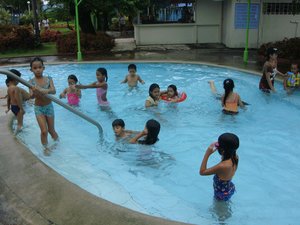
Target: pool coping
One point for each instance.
(39, 195)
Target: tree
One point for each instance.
(4, 16)
(104, 10)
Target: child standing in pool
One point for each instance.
(266, 83)
(230, 100)
(132, 78)
(100, 85)
(43, 107)
(15, 98)
(150, 133)
(73, 94)
(224, 171)
(292, 80)
(154, 96)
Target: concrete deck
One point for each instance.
(32, 193)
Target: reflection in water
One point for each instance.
(221, 211)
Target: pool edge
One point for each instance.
(39, 195)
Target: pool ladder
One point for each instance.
(57, 101)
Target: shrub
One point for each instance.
(12, 37)
(288, 52)
(287, 48)
(49, 35)
(101, 42)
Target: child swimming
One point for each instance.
(154, 96)
(43, 107)
(100, 85)
(224, 171)
(73, 94)
(118, 126)
(132, 78)
(150, 133)
(230, 100)
(171, 94)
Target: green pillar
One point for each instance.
(79, 55)
(247, 34)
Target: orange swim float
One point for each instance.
(182, 97)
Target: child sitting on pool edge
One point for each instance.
(73, 94)
(118, 126)
(150, 133)
(132, 78)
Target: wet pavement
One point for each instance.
(126, 50)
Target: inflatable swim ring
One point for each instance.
(182, 97)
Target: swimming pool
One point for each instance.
(163, 180)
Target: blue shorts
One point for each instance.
(46, 110)
(15, 109)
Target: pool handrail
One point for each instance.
(57, 101)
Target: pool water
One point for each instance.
(163, 180)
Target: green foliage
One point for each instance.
(12, 37)
(27, 18)
(49, 35)
(4, 16)
(101, 42)
(287, 48)
(105, 10)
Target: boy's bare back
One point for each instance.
(13, 92)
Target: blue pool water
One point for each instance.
(163, 180)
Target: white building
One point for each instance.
(213, 21)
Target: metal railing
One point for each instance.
(57, 101)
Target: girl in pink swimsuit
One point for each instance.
(100, 85)
(72, 93)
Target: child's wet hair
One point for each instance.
(174, 88)
(36, 59)
(103, 71)
(132, 66)
(152, 87)
(228, 85)
(16, 72)
(228, 144)
(153, 128)
(9, 78)
(73, 77)
(118, 122)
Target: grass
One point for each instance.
(45, 49)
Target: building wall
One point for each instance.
(236, 38)
(271, 27)
(208, 21)
(278, 27)
(206, 29)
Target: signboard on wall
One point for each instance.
(241, 12)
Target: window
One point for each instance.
(281, 8)
(174, 11)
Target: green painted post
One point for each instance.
(79, 55)
(247, 34)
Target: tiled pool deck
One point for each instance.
(32, 193)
